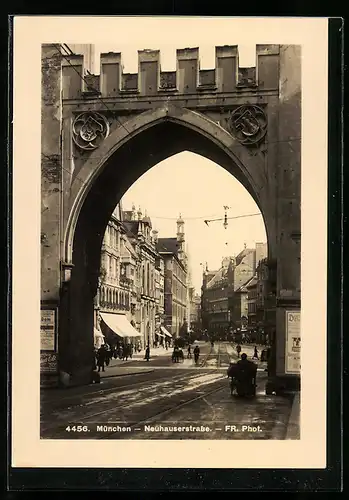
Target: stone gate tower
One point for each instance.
(101, 132)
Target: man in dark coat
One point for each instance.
(246, 373)
(101, 355)
(196, 353)
(147, 353)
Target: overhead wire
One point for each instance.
(205, 217)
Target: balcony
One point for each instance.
(128, 282)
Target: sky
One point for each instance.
(171, 188)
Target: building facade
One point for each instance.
(159, 295)
(117, 287)
(174, 256)
(224, 298)
(139, 229)
(252, 303)
(239, 309)
(132, 277)
(266, 300)
(195, 311)
(216, 289)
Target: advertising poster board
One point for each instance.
(48, 329)
(293, 343)
(48, 362)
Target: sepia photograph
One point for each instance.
(179, 242)
(171, 310)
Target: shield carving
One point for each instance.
(89, 129)
(248, 124)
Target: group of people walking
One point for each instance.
(177, 354)
(105, 353)
(255, 353)
(263, 357)
(196, 352)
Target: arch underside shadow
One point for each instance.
(132, 160)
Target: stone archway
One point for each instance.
(104, 183)
(152, 122)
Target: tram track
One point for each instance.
(57, 411)
(162, 413)
(217, 354)
(149, 419)
(102, 392)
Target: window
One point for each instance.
(107, 265)
(148, 279)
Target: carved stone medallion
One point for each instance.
(248, 124)
(89, 130)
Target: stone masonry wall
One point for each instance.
(51, 172)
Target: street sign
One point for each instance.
(293, 342)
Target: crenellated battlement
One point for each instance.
(188, 78)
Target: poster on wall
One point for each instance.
(48, 330)
(48, 362)
(293, 343)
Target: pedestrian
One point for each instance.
(147, 353)
(255, 354)
(126, 352)
(109, 354)
(238, 350)
(121, 353)
(196, 354)
(101, 355)
(246, 374)
(175, 354)
(189, 351)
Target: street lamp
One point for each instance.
(225, 223)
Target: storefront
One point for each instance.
(116, 327)
(166, 333)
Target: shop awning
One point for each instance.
(120, 325)
(165, 332)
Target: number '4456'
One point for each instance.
(77, 428)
